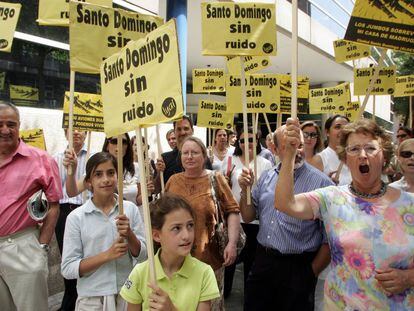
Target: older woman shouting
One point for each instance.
(194, 184)
(370, 226)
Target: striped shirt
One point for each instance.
(80, 172)
(279, 231)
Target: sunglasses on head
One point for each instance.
(114, 141)
(310, 135)
(406, 154)
(242, 140)
(402, 136)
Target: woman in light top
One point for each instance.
(405, 156)
(221, 149)
(327, 161)
(312, 140)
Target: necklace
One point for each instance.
(363, 195)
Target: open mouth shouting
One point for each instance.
(364, 168)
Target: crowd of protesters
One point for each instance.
(327, 228)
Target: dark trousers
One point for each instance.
(70, 295)
(246, 257)
(280, 282)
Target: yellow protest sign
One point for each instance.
(108, 31)
(330, 99)
(388, 24)
(404, 86)
(238, 28)
(286, 93)
(24, 95)
(9, 15)
(252, 64)
(34, 138)
(208, 80)
(213, 114)
(56, 12)
(348, 50)
(141, 85)
(351, 111)
(2, 80)
(87, 112)
(262, 93)
(384, 85)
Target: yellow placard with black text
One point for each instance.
(238, 28)
(404, 86)
(351, 112)
(87, 112)
(34, 138)
(348, 50)
(262, 93)
(252, 64)
(387, 24)
(327, 100)
(213, 114)
(56, 12)
(209, 80)
(9, 15)
(286, 93)
(106, 34)
(143, 90)
(384, 84)
(24, 95)
(2, 80)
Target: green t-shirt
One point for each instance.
(193, 283)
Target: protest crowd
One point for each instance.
(318, 212)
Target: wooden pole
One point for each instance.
(410, 111)
(70, 125)
(146, 155)
(157, 128)
(371, 83)
(120, 175)
(294, 71)
(267, 123)
(245, 123)
(373, 108)
(255, 125)
(88, 152)
(279, 120)
(145, 207)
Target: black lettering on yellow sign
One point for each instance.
(139, 112)
(5, 13)
(91, 17)
(239, 12)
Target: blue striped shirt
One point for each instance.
(80, 172)
(279, 231)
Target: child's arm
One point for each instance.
(117, 250)
(132, 307)
(125, 232)
(204, 306)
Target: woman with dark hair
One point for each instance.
(369, 225)
(220, 148)
(327, 161)
(312, 140)
(405, 152)
(232, 168)
(130, 173)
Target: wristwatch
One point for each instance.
(45, 247)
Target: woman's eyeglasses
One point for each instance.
(370, 149)
(114, 141)
(310, 135)
(402, 136)
(242, 140)
(406, 154)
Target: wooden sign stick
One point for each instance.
(267, 123)
(373, 108)
(88, 152)
(294, 71)
(255, 117)
(157, 128)
(245, 123)
(70, 125)
(145, 207)
(371, 84)
(120, 175)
